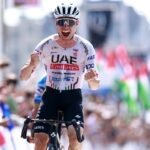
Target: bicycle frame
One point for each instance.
(56, 134)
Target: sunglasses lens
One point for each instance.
(67, 22)
(60, 22)
(71, 22)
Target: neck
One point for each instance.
(65, 39)
(66, 42)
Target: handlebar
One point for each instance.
(76, 125)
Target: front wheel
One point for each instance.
(54, 147)
(51, 147)
(62, 147)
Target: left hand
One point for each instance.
(34, 59)
(91, 74)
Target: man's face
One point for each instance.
(66, 27)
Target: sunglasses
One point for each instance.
(65, 22)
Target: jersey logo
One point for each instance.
(65, 59)
(91, 57)
(89, 66)
(72, 67)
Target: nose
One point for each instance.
(66, 23)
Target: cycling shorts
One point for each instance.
(68, 101)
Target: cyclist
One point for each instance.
(68, 59)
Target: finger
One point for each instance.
(92, 71)
(34, 54)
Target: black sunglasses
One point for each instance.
(65, 22)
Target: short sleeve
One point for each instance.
(41, 46)
(90, 57)
(39, 50)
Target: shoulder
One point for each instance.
(46, 41)
(83, 40)
(87, 45)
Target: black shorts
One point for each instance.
(68, 101)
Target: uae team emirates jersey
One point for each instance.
(65, 67)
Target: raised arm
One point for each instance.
(29, 67)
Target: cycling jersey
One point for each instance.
(40, 90)
(65, 67)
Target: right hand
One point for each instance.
(33, 114)
(30, 66)
(34, 58)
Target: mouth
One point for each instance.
(65, 33)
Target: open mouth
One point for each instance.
(65, 33)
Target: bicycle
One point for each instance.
(55, 135)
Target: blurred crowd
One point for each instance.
(112, 120)
(108, 128)
(15, 106)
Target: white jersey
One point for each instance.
(65, 67)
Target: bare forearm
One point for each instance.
(29, 67)
(26, 71)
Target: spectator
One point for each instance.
(11, 83)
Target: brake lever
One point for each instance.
(76, 125)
